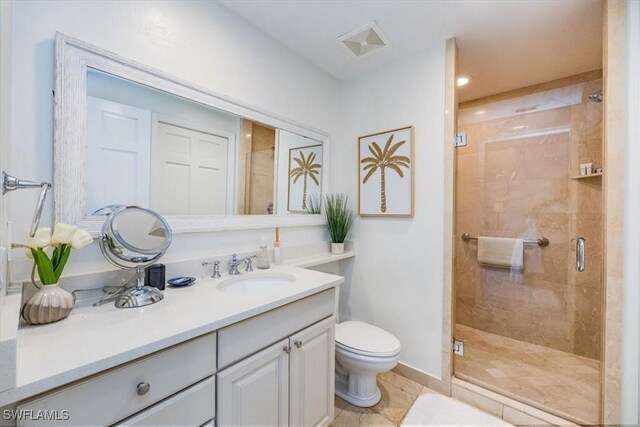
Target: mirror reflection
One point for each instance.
(149, 148)
(140, 230)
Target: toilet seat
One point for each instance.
(366, 340)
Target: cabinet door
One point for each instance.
(255, 391)
(312, 367)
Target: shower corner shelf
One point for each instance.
(591, 175)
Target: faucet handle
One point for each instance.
(216, 268)
(248, 262)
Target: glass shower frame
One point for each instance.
(524, 152)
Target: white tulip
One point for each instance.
(80, 239)
(28, 253)
(42, 238)
(63, 233)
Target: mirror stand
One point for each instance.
(133, 238)
(141, 295)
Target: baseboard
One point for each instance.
(414, 374)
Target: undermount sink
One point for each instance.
(254, 283)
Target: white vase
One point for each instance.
(337, 248)
(49, 304)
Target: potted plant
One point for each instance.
(339, 220)
(51, 303)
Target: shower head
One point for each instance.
(596, 96)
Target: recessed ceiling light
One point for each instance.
(463, 80)
(480, 112)
(519, 127)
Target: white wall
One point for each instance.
(396, 281)
(631, 319)
(201, 42)
(5, 129)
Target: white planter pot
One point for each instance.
(337, 248)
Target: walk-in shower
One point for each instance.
(528, 313)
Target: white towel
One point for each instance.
(501, 252)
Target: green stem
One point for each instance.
(45, 267)
(62, 261)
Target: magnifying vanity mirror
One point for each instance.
(131, 135)
(133, 238)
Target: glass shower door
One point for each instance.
(529, 319)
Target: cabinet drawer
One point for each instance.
(113, 395)
(191, 407)
(244, 338)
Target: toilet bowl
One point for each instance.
(362, 352)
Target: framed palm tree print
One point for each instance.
(385, 164)
(305, 176)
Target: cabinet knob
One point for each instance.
(286, 349)
(298, 344)
(143, 388)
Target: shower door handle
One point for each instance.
(580, 254)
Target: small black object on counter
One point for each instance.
(154, 276)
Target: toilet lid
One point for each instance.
(366, 338)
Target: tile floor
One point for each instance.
(555, 381)
(398, 394)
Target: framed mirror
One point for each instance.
(128, 134)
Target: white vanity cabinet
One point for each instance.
(275, 368)
(288, 383)
(121, 392)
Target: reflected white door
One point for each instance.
(189, 171)
(118, 154)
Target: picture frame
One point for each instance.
(304, 177)
(386, 173)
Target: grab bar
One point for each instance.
(543, 242)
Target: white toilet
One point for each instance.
(362, 352)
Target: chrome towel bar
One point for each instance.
(543, 242)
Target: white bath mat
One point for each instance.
(439, 410)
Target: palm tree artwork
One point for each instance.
(382, 160)
(306, 169)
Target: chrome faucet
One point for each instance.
(235, 262)
(216, 268)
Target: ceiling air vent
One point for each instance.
(363, 41)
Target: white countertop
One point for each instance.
(93, 339)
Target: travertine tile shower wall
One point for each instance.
(513, 179)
